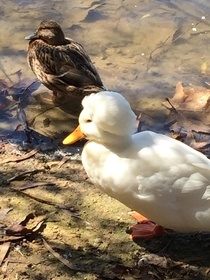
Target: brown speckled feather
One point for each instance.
(60, 63)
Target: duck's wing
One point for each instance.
(68, 63)
(173, 166)
(174, 180)
(73, 54)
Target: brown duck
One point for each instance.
(62, 65)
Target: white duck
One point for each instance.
(163, 179)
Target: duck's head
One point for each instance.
(105, 116)
(50, 32)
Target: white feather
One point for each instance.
(162, 178)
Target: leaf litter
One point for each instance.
(14, 98)
(188, 117)
(17, 231)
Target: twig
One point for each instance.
(11, 238)
(158, 47)
(2, 69)
(64, 160)
(180, 35)
(20, 175)
(172, 106)
(66, 208)
(28, 87)
(14, 260)
(60, 258)
(31, 121)
(164, 43)
(31, 185)
(10, 260)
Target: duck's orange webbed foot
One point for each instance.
(145, 228)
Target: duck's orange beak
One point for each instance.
(75, 136)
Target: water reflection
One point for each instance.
(125, 40)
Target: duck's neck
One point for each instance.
(116, 142)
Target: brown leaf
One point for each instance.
(182, 121)
(189, 118)
(198, 145)
(29, 217)
(179, 95)
(3, 251)
(20, 229)
(190, 99)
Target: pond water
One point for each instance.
(141, 48)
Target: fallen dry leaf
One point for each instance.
(21, 229)
(191, 99)
(3, 251)
(188, 112)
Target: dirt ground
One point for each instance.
(84, 234)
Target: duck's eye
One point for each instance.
(88, 120)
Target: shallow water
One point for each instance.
(141, 48)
